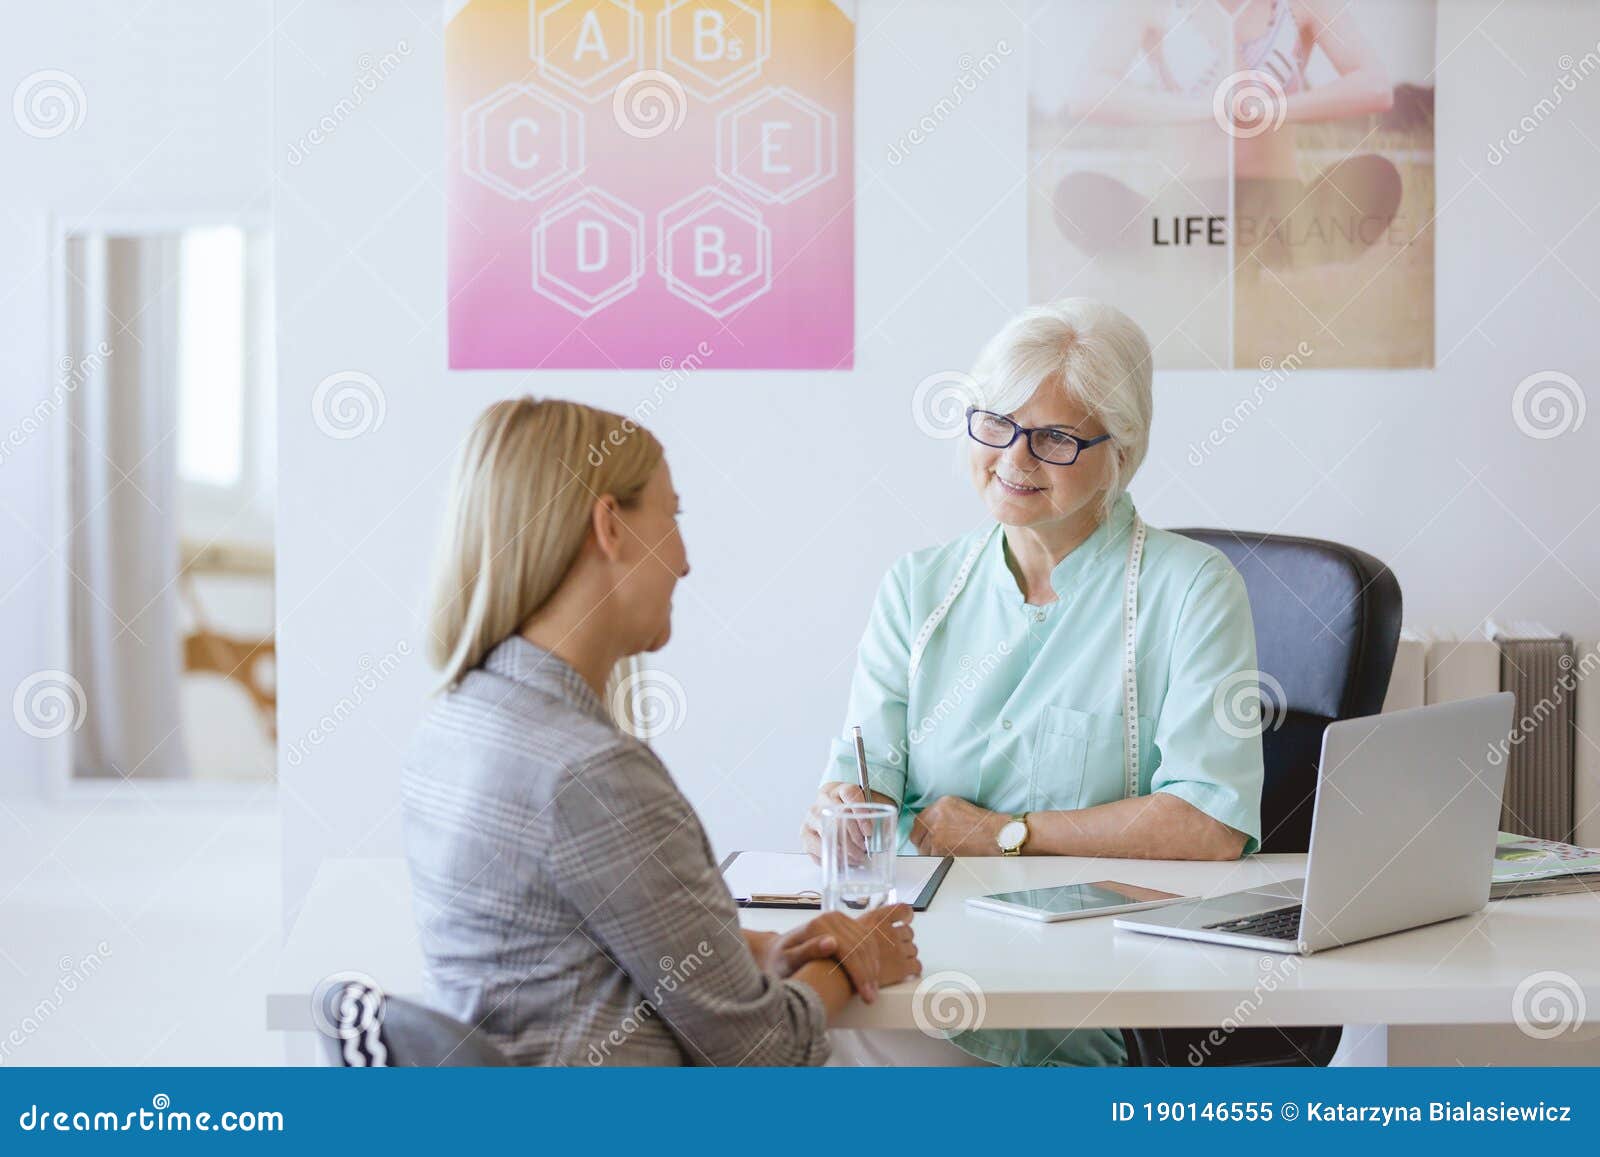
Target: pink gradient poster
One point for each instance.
(630, 181)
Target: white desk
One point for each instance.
(1078, 973)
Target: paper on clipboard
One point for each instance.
(793, 880)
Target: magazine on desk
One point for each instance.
(1526, 866)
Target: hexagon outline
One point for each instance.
(571, 84)
(617, 211)
(472, 118)
(619, 288)
(824, 125)
(736, 79)
(825, 142)
(564, 173)
(714, 196)
(745, 212)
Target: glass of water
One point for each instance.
(858, 856)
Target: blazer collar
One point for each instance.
(532, 666)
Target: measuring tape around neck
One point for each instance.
(937, 616)
(1130, 681)
(1130, 622)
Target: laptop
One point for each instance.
(1403, 834)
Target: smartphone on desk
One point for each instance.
(1075, 901)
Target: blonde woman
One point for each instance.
(994, 677)
(567, 898)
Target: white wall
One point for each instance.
(176, 97)
(1425, 469)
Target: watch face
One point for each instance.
(1012, 834)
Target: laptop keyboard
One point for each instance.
(1278, 924)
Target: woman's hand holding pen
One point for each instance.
(830, 794)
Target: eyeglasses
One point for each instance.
(1049, 444)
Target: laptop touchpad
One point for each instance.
(1290, 890)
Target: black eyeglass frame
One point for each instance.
(1019, 431)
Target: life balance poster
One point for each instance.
(1251, 180)
(634, 181)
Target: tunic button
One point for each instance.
(1038, 616)
(1006, 723)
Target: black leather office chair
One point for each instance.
(372, 1030)
(1327, 621)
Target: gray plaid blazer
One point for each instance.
(567, 899)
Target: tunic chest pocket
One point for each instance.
(1078, 759)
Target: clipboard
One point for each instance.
(795, 864)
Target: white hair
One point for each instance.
(1096, 354)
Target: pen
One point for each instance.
(861, 762)
(861, 775)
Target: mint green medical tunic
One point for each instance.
(1018, 708)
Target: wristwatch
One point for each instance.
(1013, 835)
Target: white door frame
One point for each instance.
(60, 784)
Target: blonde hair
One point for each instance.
(519, 512)
(1095, 353)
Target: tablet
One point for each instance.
(1074, 901)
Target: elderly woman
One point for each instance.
(567, 899)
(994, 681)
